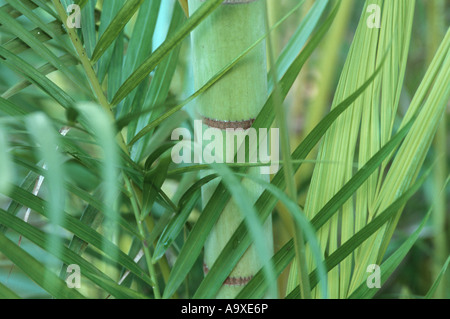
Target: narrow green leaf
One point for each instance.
(92, 200)
(115, 67)
(140, 45)
(99, 122)
(115, 27)
(43, 5)
(438, 280)
(163, 223)
(27, 184)
(360, 177)
(152, 185)
(298, 39)
(27, 12)
(10, 108)
(17, 45)
(37, 271)
(109, 11)
(45, 69)
(89, 28)
(79, 229)
(150, 63)
(37, 46)
(118, 291)
(66, 255)
(34, 76)
(6, 168)
(45, 136)
(6, 293)
(301, 220)
(13, 12)
(158, 90)
(174, 228)
(356, 240)
(388, 267)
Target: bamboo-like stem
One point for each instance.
(234, 101)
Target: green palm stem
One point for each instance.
(233, 102)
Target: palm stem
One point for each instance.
(147, 254)
(236, 99)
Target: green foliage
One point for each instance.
(86, 177)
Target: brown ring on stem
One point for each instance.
(224, 125)
(231, 281)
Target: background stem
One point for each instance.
(238, 96)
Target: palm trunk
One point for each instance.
(233, 102)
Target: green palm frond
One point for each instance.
(86, 120)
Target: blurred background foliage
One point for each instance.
(307, 103)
